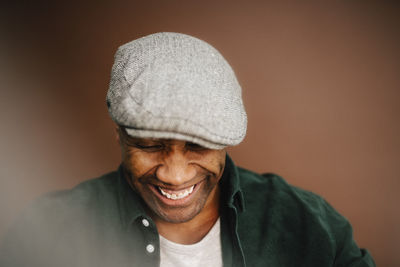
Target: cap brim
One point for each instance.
(141, 133)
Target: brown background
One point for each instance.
(320, 83)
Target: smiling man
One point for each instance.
(178, 199)
(178, 181)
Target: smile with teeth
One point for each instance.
(176, 194)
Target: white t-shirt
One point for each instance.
(206, 252)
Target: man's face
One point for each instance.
(176, 179)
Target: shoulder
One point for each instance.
(70, 209)
(287, 207)
(90, 193)
(88, 190)
(56, 223)
(269, 187)
(289, 222)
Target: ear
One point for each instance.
(117, 135)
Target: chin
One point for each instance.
(177, 216)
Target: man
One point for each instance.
(177, 198)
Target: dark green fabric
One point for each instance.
(265, 222)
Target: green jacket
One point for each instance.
(264, 222)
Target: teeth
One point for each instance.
(179, 196)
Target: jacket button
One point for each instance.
(145, 223)
(150, 248)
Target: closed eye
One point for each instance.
(150, 148)
(194, 147)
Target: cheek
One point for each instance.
(139, 163)
(214, 161)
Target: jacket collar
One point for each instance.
(232, 193)
(130, 203)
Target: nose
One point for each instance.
(176, 168)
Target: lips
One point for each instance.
(175, 195)
(176, 198)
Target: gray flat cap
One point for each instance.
(175, 86)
